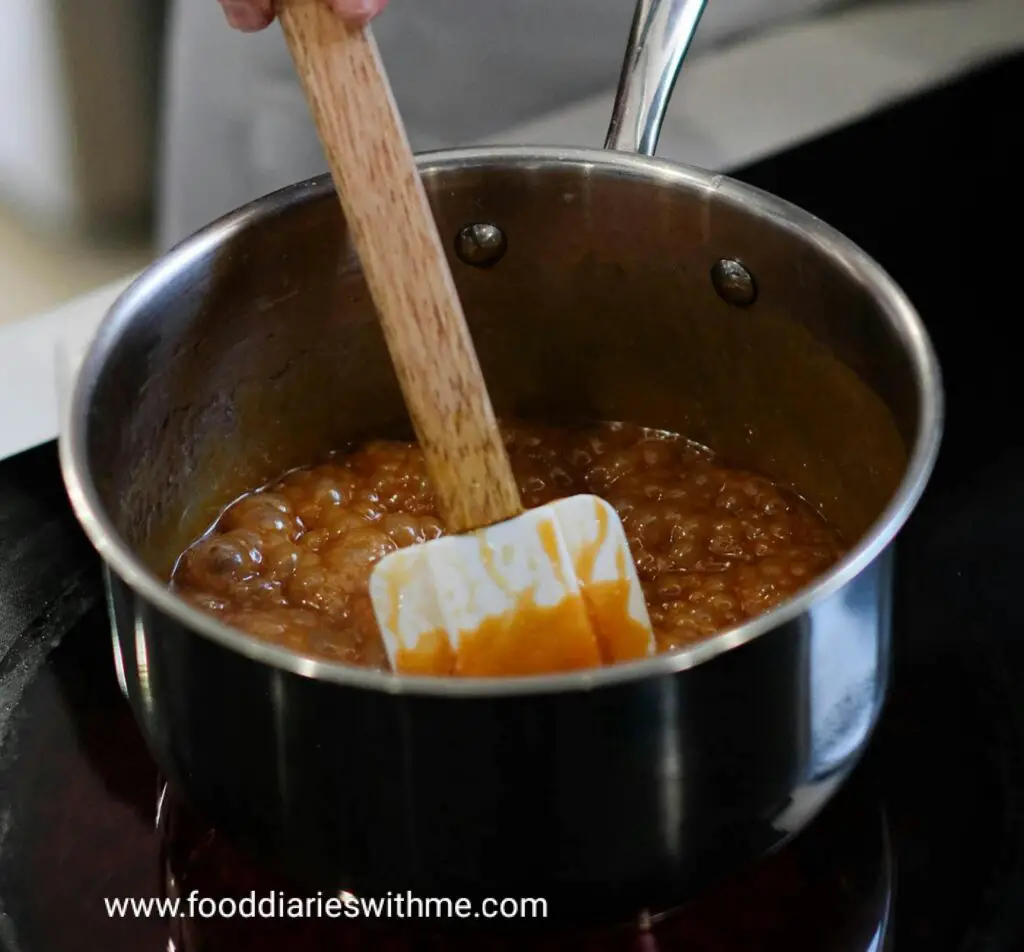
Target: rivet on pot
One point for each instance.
(733, 283)
(481, 245)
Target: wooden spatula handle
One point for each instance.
(396, 238)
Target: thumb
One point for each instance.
(358, 11)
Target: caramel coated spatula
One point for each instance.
(510, 592)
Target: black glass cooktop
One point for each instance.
(925, 847)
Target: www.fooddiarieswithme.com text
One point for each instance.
(277, 905)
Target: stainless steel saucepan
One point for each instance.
(600, 284)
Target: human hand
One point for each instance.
(250, 16)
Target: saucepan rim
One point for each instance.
(858, 267)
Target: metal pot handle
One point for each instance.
(658, 40)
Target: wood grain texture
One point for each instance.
(396, 238)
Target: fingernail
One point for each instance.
(246, 16)
(358, 11)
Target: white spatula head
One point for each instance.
(552, 590)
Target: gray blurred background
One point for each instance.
(114, 113)
(79, 105)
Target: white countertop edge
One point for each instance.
(732, 106)
(28, 351)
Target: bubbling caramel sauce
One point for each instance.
(713, 545)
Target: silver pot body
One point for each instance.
(620, 292)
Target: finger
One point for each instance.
(358, 11)
(248, 15)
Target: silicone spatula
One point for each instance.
(508, 592)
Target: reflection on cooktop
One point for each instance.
(831, 889)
